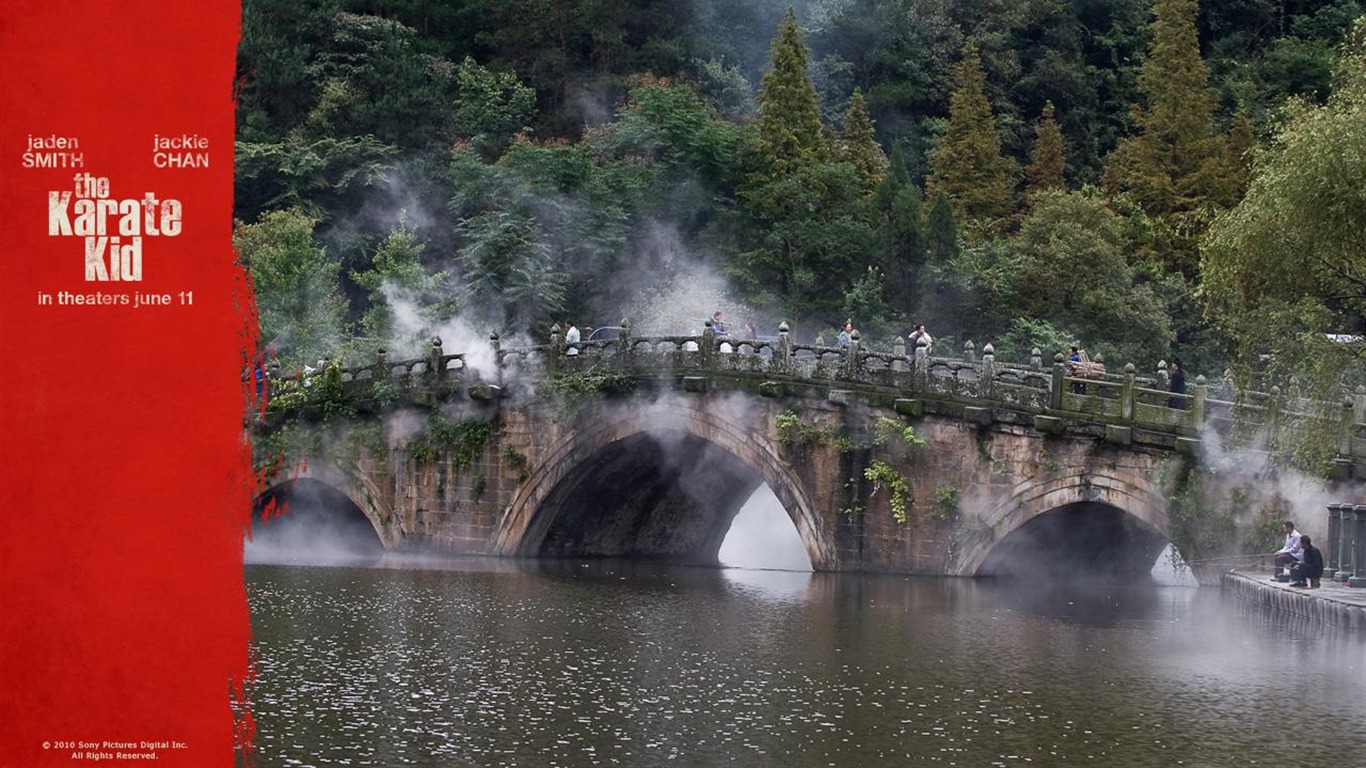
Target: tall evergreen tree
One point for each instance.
(858, 144)
(1046, 161)
(967, 165)
(941, 230)
(1172, 168)
(790, 131)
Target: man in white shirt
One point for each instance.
(571, 336)
(1289, 554)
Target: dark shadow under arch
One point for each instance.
(663, 495)
(1081, 540)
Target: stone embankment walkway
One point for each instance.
(1332, 603)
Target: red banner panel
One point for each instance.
(125, 486)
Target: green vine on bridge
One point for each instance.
(463, 440)
(793, 430)
(883, 474)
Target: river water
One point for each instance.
(474, 662)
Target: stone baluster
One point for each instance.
(497, 356)
(1035, 359)
(1358, 578)
(624, 345)
(436, 370)
(851, 358)
(922, 357)
(556, 351)
(1331, 554)
(969, 351)
(1347, 428)
(987, 384)
(782, 358)
(899, 355)
(1345, 553)
(1273, 414)
(1055, 387)
(1126, 393)
(708, 345)
(1198, 403)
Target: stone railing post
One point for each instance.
(552, 355)
(782, 358)
(1035, 359)
(435, 369)
(624, 340)
(969, 351)
(1347, 428)
(1273, 414)
(1126, 393)
(1344, 559)
(899, 355)
(986, 387)
(851, 355)
(1359, 404)
(497, 357)
(1358, 578)
(708, 345)
(1056, 385)
(1198, 403)
(1330, 552)
(922, 357)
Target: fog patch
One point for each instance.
(762, 536)
(305, 522)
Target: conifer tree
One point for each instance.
(967, 165)
(1046, 161)
(858, 144)
(1172, 168)
(790, 131)
(941, 231)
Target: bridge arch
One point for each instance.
(1131, 500)
(318, 477)
(695, 427)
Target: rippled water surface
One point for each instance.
(473, 663)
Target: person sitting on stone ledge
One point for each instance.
(1307, 572)
(1290, 553)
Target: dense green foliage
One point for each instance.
(1019, 172)
(1286, 267)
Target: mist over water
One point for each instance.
(600, 663)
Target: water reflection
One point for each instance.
(609, 663)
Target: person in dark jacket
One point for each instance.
(1308, 570)
(1178, 385)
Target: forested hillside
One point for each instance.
(1025, 172)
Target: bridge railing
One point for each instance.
(1119, 398)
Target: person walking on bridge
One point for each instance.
(571, 336)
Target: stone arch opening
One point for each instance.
(306, 520)
(1082, 539)
(661, 494)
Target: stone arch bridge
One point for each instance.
(884, 461)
